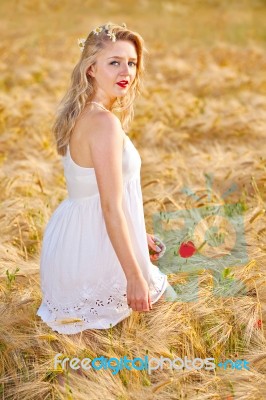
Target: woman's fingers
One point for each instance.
(133, 305)
(153, 245)
(158, 251)
(149, 300)
(146, 305)
(138, 296)
(139, 305)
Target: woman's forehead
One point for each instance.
(120, 48)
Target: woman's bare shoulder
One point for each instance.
(93, 122)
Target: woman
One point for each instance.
(95, 265)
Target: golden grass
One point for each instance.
(203, 112)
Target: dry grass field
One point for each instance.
(200, 128)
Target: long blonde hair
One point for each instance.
(81, 89)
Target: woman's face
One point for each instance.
(115, 63)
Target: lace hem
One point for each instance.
(92, 310)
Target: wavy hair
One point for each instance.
(82, 90)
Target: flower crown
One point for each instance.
(96, 31)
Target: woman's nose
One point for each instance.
(125, 70)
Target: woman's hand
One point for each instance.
(154, 250)
(138, 296)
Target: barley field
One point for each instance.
(200, 128)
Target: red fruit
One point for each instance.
(187, 249)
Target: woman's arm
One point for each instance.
(106, 148)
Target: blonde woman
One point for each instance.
(95, 264)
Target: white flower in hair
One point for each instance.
(97, 30)
(81, 43)
(107, 28)
(112, 36)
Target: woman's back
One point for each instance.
(79, 142)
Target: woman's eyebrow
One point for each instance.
(131, 58)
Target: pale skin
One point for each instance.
(98, 142)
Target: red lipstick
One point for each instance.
(122, 84)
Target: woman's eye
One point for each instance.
(131, 62)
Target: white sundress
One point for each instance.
(82, 281)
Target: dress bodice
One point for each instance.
(81, 181)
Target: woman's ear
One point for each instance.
(90, 71)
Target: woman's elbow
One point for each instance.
(112, 207)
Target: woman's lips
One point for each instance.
(123, 85)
